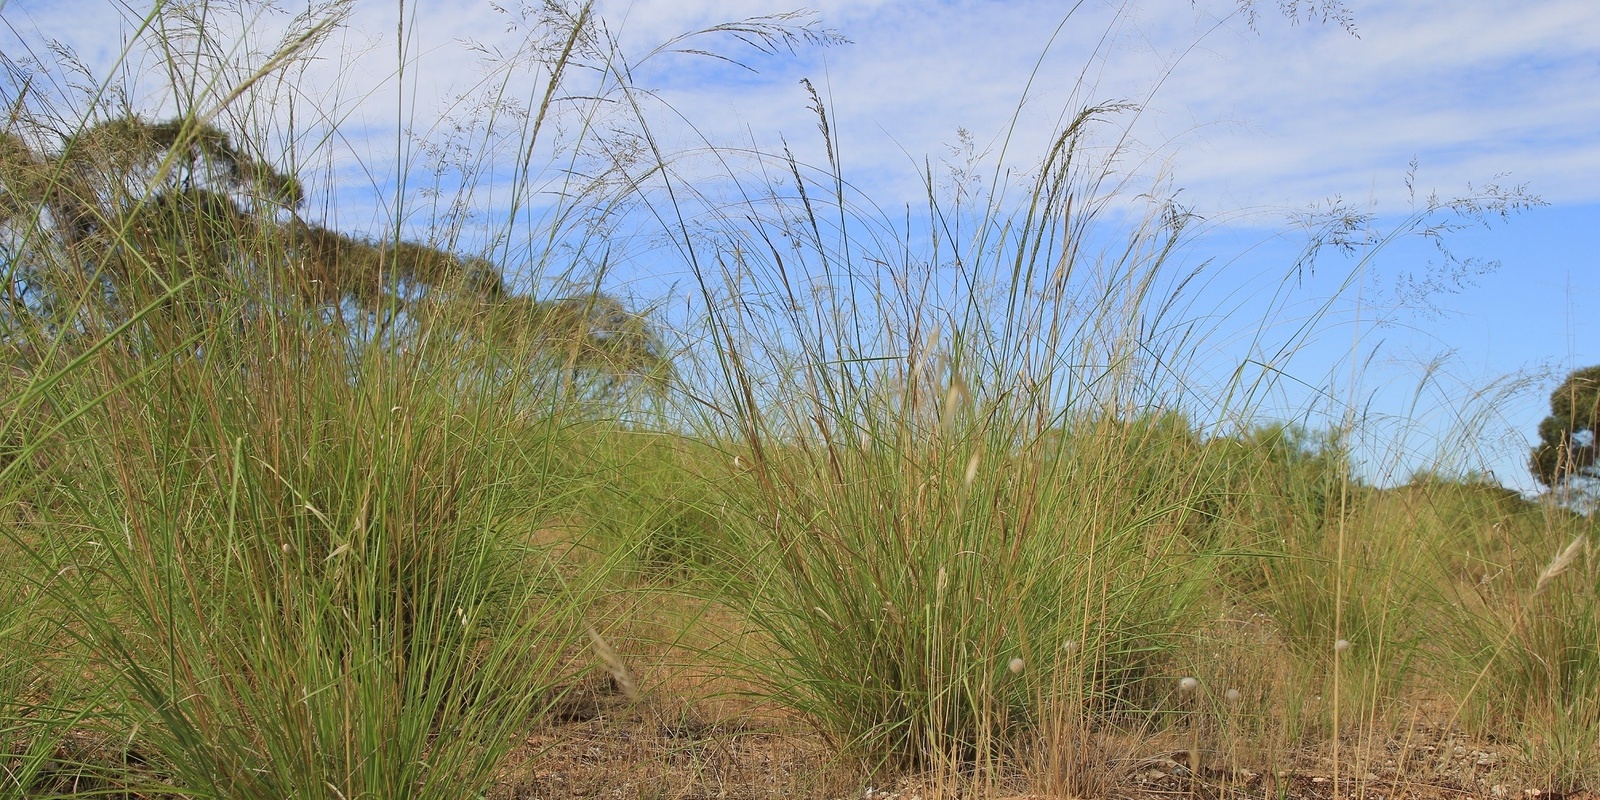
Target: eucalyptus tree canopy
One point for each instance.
(1567, 446)
(128, 212)
(126, 198)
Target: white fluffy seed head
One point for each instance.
(1341, 645)
(1015, 666)
(1188, 684)
(1233, 695)
(1069, 646)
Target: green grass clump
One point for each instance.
(1521, 634)
(982, 538)
(928, 597)
(660, 510)
(316, 575)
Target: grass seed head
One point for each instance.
(1560, 564)
(1015, 666)
(1188, 684)
(620, 674)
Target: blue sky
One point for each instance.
(1253, 123)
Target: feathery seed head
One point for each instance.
(1560, 564)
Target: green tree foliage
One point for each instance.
(1567, 447)
(126, 210)
(127, 197)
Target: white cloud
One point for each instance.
(1281, 116)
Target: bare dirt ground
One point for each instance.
(692, 734)
(689, 738)
(654, 750)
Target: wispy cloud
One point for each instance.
(1278, 116)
